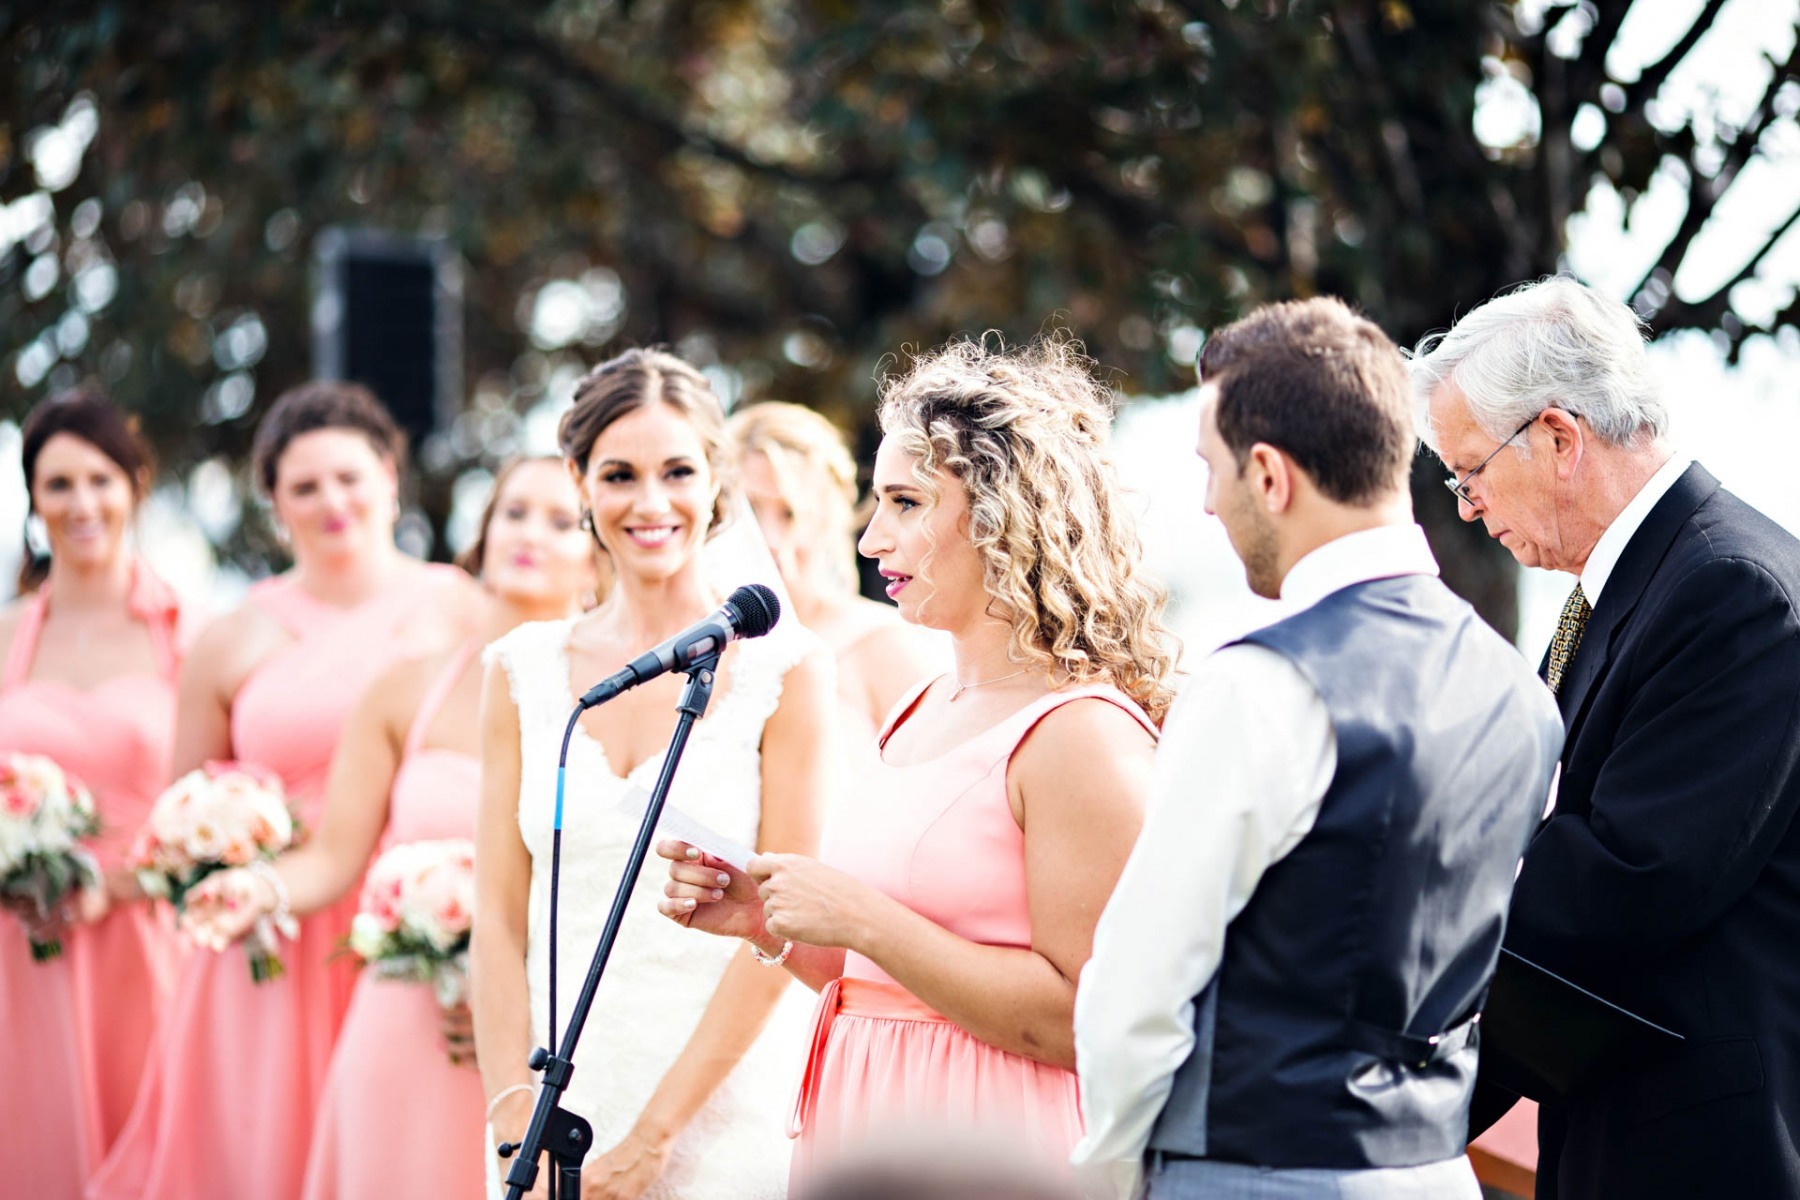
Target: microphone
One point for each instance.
(749, 612)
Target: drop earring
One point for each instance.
(37, 536)
(587, 520)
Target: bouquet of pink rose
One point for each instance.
(413, 920)
(44, 814)
(224, 814)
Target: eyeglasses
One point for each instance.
(1460, 487)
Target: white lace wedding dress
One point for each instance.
(660, 976)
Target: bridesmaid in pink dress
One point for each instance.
(954, 906)
(409, 770)
(87, 679)
(227, 1102)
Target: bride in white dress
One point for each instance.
(685, 1098)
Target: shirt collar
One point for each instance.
(1379, 553)
(1605, 554)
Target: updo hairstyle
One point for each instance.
(639, 378)
(322, 404)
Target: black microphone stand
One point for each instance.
(555, 1130)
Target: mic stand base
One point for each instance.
(562, 1134)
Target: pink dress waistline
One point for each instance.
(858, 997)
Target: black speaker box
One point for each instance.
(387, 313)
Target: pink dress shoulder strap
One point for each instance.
(1000, 741)
(301, 613)
(903, 708)
(155, 604)
(1006, 734)
(436, 694)
(150, 601)
(282, 598)
(24, 641)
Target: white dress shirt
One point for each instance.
(1605, 555)
(1246, 756)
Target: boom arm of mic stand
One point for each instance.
(553, 1129)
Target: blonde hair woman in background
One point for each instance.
(954, 903)
(801, 483)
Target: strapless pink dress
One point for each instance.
(75, 1032)
(226, 1106)
(939, 836)
(397, 1119)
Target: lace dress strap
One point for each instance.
(756, 682)
(535, 658)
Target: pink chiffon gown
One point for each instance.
(76, 1032)
(939, 836)
(397, 1119)
(227, 1102)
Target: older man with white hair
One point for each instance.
(1667, 877)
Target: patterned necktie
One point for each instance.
(1574, 619)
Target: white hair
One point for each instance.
(1554, 343)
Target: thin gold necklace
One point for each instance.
(963, 687)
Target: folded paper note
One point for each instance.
(676, 824)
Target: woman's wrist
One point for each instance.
(868, 921)
(766, 943)
(657, 1130)
(121, 885)
(267, 888)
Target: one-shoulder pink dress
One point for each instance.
(397, 1119)
(75, 1032)
(939, 836)
(227, 1103)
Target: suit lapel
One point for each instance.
(1625, 587)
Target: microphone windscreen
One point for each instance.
(756, 609)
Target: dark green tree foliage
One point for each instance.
(797, 190)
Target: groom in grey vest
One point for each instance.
(1283, 995)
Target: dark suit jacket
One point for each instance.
(1668, 877)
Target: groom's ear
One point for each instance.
(1270, 476)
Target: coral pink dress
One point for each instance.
(75, 1032)
(227, 1104)
(939, 836)
(366, 1143)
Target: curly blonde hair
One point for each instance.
(1025, 431)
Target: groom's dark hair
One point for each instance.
(1321, 384)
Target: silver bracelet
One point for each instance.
(787, 947)
(502, 1094)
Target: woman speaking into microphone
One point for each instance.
(954, 904)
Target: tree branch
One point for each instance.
(621, 98)
(1588, 69)
(1705, 192)
(1709, 313)
(1651, 80)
